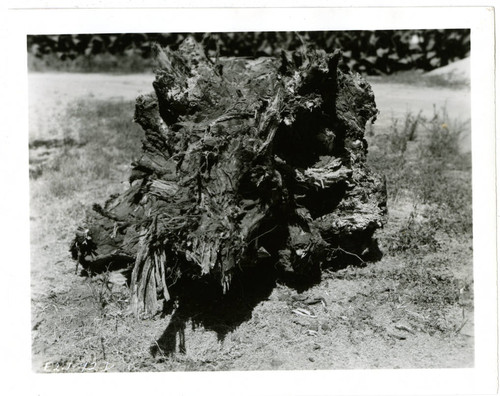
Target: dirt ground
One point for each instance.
(358, 324)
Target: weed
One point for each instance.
(413, 236)
(101, 291)
(108, 291)
(442, 143)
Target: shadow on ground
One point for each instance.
(202, 304)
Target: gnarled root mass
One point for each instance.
(243, 162)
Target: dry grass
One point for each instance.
(412, 309)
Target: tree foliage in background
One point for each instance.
(367, 52)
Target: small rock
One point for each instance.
(397, 336)
(311, 359)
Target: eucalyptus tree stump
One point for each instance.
(245, 162)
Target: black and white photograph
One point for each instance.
(255, 200)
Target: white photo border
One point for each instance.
(15, 233)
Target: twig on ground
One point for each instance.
(351, 254)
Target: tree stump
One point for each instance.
(244, 162)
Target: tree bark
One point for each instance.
(244, 161)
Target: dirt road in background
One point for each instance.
(49, 94)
